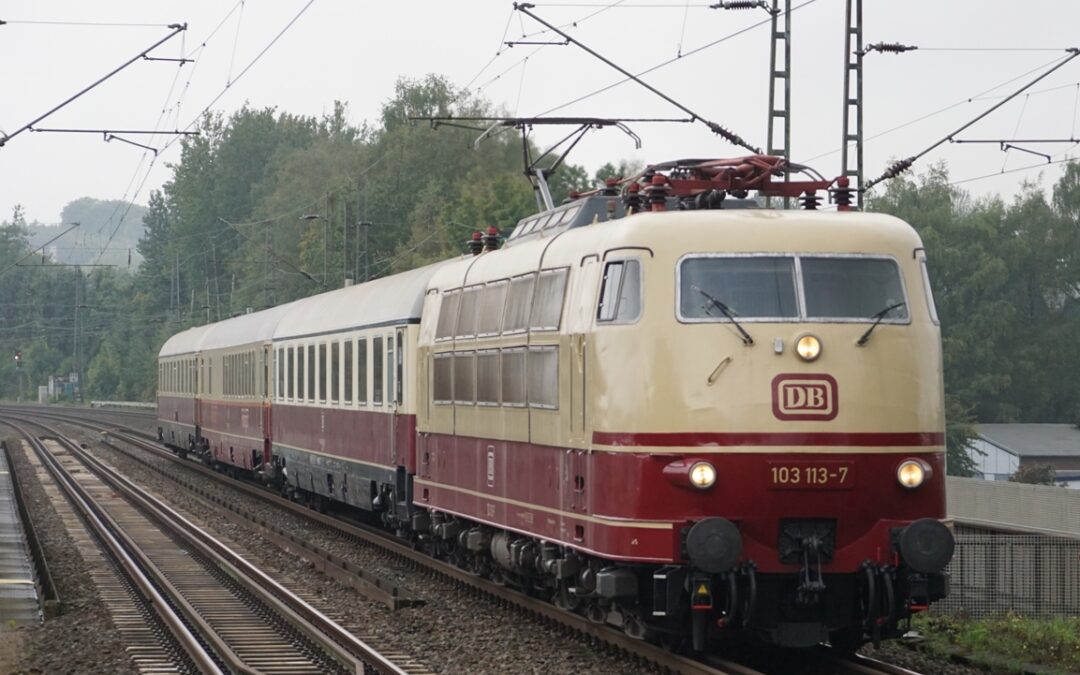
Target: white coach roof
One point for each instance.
(184, 342)
(245, 329)
(387, 300)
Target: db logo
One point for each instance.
(804, 397)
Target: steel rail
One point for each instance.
(330, 635)
(381, 540)
(97, 520)
(340, 644)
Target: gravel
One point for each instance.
(83, 638)
(912, 659)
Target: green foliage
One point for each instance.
(1006, 278)
(1010, 642)
(960, 438)
(1035, 474)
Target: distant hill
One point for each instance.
(97, 219)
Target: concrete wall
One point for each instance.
(1014, 506)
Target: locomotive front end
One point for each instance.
(793, 427)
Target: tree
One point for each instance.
(1035, 474)
(960, 436)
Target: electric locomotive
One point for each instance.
(662, 406)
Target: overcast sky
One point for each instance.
(354, 51)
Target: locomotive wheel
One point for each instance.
(847, 639)
(564, 599)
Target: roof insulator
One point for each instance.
(476, 243)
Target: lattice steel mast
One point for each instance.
(781, 32)
(852, 142)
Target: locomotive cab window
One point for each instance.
(855, 288)
(620, 292)
(840, 288)
(751, 287)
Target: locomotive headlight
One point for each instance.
(702, 475)
(912, 473)
(808, 347)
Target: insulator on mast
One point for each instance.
(890, 47)
(742, 4)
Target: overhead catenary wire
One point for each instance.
(982, 96)
(504, 45)
(236, 42)
(717, 129)
(904, 164)
(216, 98)
(166, 112)
(176, 30)
(94, 24)
(668, 62)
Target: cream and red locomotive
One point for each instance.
(664, 407)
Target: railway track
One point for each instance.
(823, 660)
(211, 611)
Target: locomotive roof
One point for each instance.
(388, 300)
(184, 342)
(680, 232)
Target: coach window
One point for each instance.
(548, 300)
(322, 372)
(466, 323)
(377, 356)
(465, 378)
(391, 384)
(399, 367)
(488, 378)
(311, 367)
(335, 371)
(448, 311)
(347, 354)
(362, 367)
(620, 295)
(290, 374)
(513, 377)
(543, 373)
(443, 378)
(278, 373)
(516, 314)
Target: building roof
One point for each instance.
(1034, 440)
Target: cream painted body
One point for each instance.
(660, 375)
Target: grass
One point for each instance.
(1011, 641)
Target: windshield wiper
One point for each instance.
(747, 340)
(877, 319)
